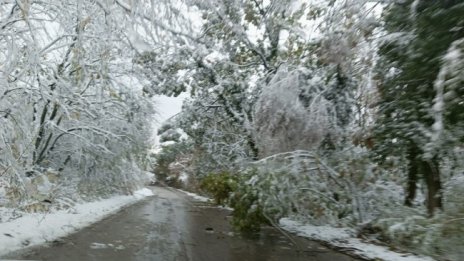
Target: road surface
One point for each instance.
(172, 226)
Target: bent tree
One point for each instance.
(71, 98)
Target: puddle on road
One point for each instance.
(211, 236)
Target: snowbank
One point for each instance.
(35, 229)
(195, 196)
(342, 237)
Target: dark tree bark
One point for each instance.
(431, 174)
(412, 177)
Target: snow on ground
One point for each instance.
(35, 228)
(342, 237)
(195, 196)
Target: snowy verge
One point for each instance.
(204, 199)
(343, 238)
(195, 196)
(35, 229)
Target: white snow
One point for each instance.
(96, 245)
(142, 193)
(184, 177)
(35, 229)
(137, 41)
(343, 237)
(195, 196)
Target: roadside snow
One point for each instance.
(195, 196)
(344, 238)
(142, 193)
(35, 228)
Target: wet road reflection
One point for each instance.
(171, 226)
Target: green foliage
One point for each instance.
(236, 191)
(219, 186)
(248, 213)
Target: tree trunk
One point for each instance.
(253, 147)
(431, 174)
(412, 178)
(412, 184)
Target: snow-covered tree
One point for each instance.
(422, 42)
(283, 122)
(237, 51)
(71, 97)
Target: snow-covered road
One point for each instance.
(174, 226)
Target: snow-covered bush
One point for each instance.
(346, 189)
(443, 238)
(440, 236)
(297, 184)
(412, 229)
(454, 196)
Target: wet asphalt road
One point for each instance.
(171, 226)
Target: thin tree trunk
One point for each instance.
(412, 178)
(253, 147)
(432, 180)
